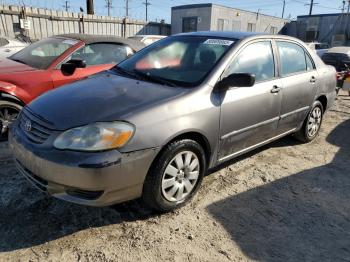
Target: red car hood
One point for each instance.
(10, 66)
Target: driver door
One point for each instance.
(249, 115)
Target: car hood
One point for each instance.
(102, 97)
(8, 66)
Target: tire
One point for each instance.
(312, 124)
(162, 187)
(8, 113)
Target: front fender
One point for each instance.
(11, 91)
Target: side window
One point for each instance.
(50, 50)
(292, 58)
(256, 59)
(102, 53)
(309, 63)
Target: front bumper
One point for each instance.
(94, 179)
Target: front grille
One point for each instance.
(36, 129)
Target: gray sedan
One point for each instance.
(153, 125)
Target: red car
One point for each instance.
(53, 62)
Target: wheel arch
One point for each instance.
(324, 101)
(193, 135)
(8, 97)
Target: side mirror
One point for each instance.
(69, 67)
(238, 80)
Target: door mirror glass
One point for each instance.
(238, 80)
(69, 67)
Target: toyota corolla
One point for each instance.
(152, 126)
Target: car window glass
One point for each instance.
(102, 53)
(3, 41)
(292, 58)
(218, 50)
(180, 60)
(309, 63)
(50, 50)
(43, 53)
(256, 59)
(321, 46)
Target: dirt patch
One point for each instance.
(285, 202)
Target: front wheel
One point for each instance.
(8, 113)
(175, 176)
(312, 124)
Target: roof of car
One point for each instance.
(339, 50)
(160, 36)
(226, 34)
(91, 39)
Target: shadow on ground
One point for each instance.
(304, 217)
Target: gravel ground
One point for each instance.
(285, 202)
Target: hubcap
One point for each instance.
(180, 176)
(314, 122)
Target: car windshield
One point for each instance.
(41, 54)
(178, 60)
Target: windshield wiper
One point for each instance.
(126, 72)
(153, 78)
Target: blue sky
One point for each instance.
(161, 9)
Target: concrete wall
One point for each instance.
(232, 19)
(45, 23)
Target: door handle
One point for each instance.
(313, 79)
(275, 89)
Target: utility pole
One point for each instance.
(126, 8)
(66, 5)
(311, 6)
(348, 6)
(284, 5)
(90, 7)
(109, 6)
(343, 8)
(146, 3)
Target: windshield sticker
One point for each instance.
(218, 42)
(70, 42)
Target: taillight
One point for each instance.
(337, 76)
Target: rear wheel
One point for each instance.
(8, 113)
(176, 176)
(312, 124)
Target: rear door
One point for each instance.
(300, 83)
(98, 57)
(249, 115)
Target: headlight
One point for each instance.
(95, 137)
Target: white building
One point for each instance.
(212, 17)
